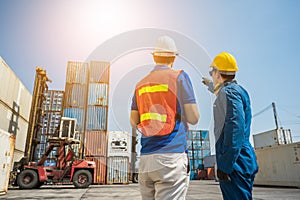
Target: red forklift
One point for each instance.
(68, 169)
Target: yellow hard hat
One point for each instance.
(225, 63)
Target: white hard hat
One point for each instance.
(165, 44)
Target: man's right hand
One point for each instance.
(206, 81)
(222, 175)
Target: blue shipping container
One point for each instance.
(96, 118)
(198, 135)
(98, 94)
(76, 113)
(194, 175)
(196, 164)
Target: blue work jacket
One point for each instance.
(232, 117)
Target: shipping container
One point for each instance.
(14, 124)
(209, 161)
(199, 134)
(75, 95)
(194, 175)
(17, 155)
(99, 72)
(196, 164)
(96, 118)
(118, 170)
(198, 148)
(54, 101)
(6, 158)
(77, 72)
(13, 93)
(100, 174)
(15, 105)
(119, 144)
(78, 114)
(98, 94)
(279, 165)
(95, 143)
(272, 137)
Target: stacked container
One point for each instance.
(6, 155)
(119, 153)
(198, 148)
(75, 93)
(95, 137)
(86, 99)
(52, 108)
(15, 103)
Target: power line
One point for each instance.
(262, 111)
(289, 112)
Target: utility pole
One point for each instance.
(275, 115)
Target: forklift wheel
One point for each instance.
(82, 179)
(28, 179)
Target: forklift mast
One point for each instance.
(36, 112)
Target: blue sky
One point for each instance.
(262, 35)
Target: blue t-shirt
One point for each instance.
(176, 141)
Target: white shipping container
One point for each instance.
(272, 137)
(13, 92)
(18, 155)
(19, 126)
(279, 165)
(209, 161)
(118, 170)
(6, 155)
(119, 143)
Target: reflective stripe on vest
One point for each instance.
(155, 88)
(153, 116)
(157, 102)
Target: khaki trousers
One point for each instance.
(164, 176)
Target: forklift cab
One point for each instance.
(68, 129)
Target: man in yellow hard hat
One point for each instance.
(162, 106)
(236, 160)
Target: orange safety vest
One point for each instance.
(156, 97)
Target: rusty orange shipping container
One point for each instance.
(95, 143)
(100, 173)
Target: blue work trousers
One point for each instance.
(239, 187)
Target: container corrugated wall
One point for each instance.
(13, 92)
(98, 94)
(95, 143)
(100, 173)
(15, 104)
(6, 157)
(77, 113)
(14, 124)
(75, 95)
(118, 170)
(99, 72)
(96, 118)
(74, 103)
(279, 165)
(77, 72)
